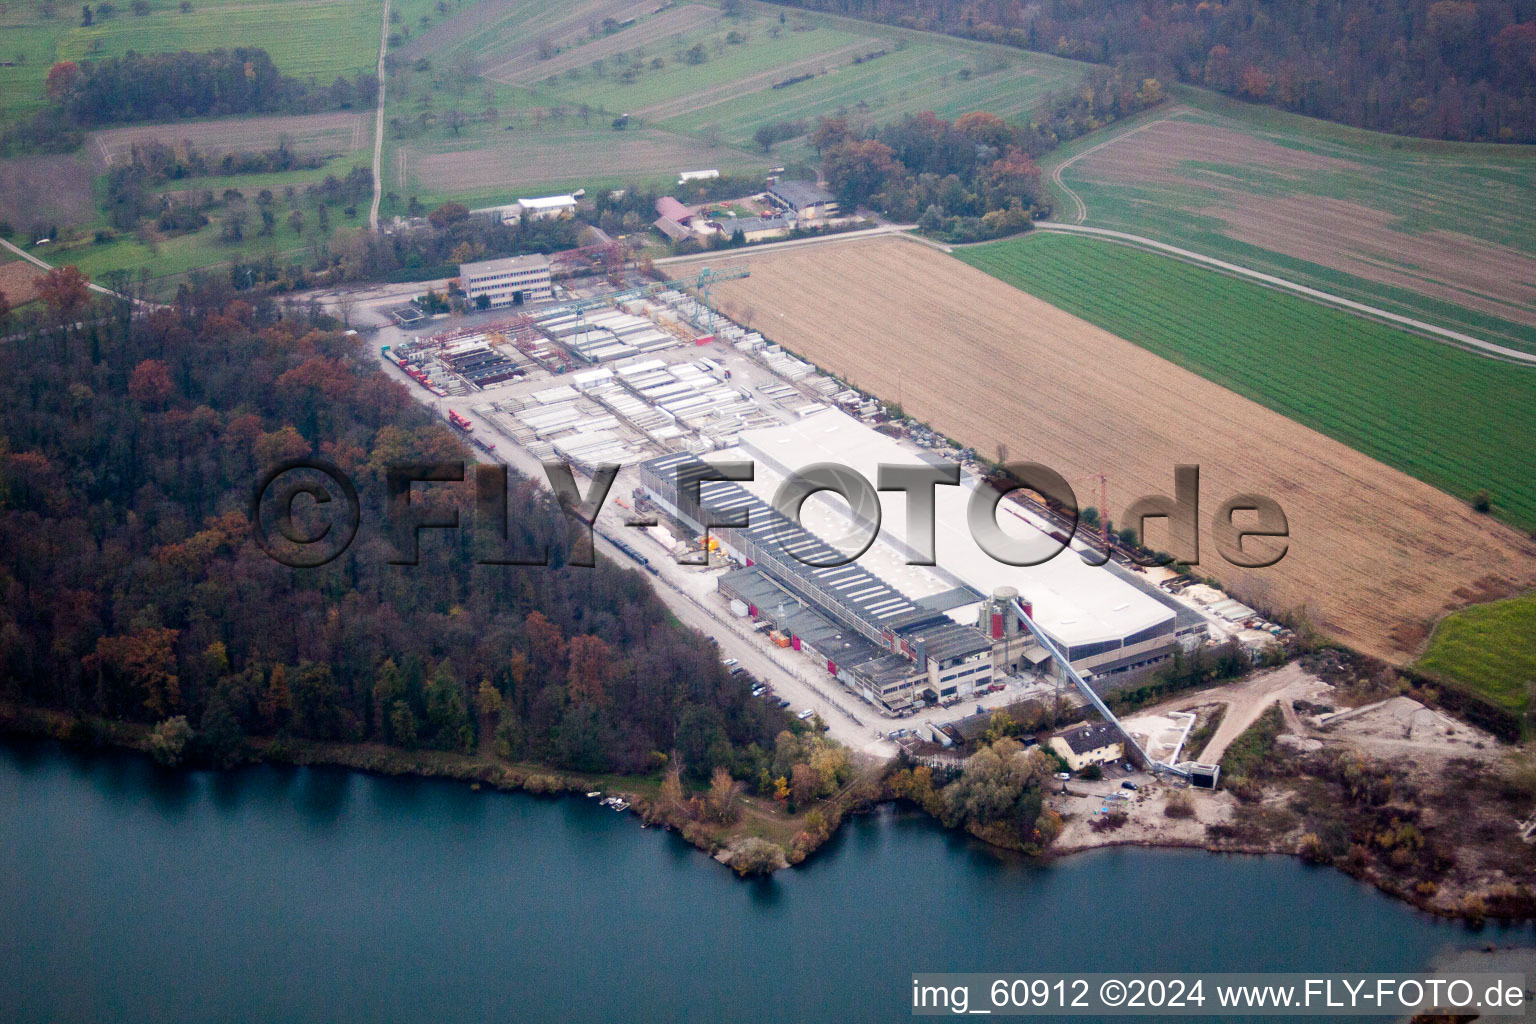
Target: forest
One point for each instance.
(975, 178)
(131, 587)
(1448, 69)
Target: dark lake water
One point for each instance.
(134, 894)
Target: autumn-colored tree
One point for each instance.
(64, 290)
(781, 789)
(488, 700)
(61, 79)
(830, 132)
(857, 169)
(591, 665)
(150, 385)
(985, 129)
(545, 642)
(671, 800)
(448, 214)
(1255, 83)
(146, 662)
(724, 797)
(804, 783)
(276, 704)
(168, 739)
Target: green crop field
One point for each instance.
(1434, 230)
(1490, 648)
(1455, 420)
(323, 38)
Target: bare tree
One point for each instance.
(346, 305)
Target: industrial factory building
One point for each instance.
(507, 282)
(910, 633)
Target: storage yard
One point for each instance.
(655, 380)
(1373, 556)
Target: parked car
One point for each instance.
(738, 670)
(1128, 766)
(807, 713)
(730, 662)
(758, 691)
(1128, 784)
(783, 703)
(1063, 776)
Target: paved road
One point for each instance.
(1456, 338)
(849, 721)
(378, 128)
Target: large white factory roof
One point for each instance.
(1074, 602)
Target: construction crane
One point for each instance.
(1065, 668)
(701, 282)
(705, 280)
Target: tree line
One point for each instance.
(131, 587)
(974, 178)
(1449, 69)
(166, 86)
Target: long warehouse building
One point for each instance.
(1105, 621)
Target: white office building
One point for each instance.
(507, 282)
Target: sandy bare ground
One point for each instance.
(516, 164)
(669, 23)
(45, 189)
(1418, 741)
(1245, 702)
(342, 131)
(1332, 232)
(1373, 553)
(1146, 823)
(18, 281)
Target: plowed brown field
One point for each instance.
(1374, 554)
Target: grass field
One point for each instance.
(1455, 420)
(709, 104)
(323, 38)
(1435, 230)
(1375, 557)
(1490, 648)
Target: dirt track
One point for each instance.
(1445, 264)
(1374, 554)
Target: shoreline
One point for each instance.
(639, 791)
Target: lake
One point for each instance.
(137, 894)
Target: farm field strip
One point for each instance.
(907, 81)
(514, 44)
(1430, 230)
(564, 157)
(1445, 416)
(324, 38)
(674, 22)
(1374, 556)
(332, 134)
(744, 67)
(1491, 648)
